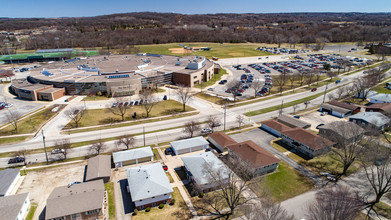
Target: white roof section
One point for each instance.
(201, 164)
(132, 154)
(375, 118)
(189, 143)
(382, 97)
(148, 181)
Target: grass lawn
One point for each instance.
(381, 89)
(155, 154)
(33, 207)
(104, 116)
(283, 184)
(31, 123)
(216, 78)
(213, 99)
(169, 177)
(225, 50)
(383, 209)
(110, 192)
(95, 98)
(177, 211)
(277, 146)
(13, 140)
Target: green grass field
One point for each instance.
(283, 184)
(44, 55)
(13, 140)
(225, 50)
(30, 215)
(110, 192)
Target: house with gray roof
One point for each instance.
(292, 122)
(99, 167)
(373, 119)
(8, 180)
(189, 145)
(341, 132)
(380, 98)
(206, 171)
(78, 201)
(133, 156)
(149, 185)
(14, 206)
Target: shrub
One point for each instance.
(161, 206)
(135, 212)
(99, 93)
(148, 209)
(201, 195)
(172, 202)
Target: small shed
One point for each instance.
(189, 145)
(133, 156)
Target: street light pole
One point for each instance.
(325, 91)
(225, 114)
(144, 134)
(44, 147)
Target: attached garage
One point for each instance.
(189, 145)
(133, 156)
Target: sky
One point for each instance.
(84, 8)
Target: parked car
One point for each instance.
(324, 173)
(314, 89)
(7, 105)
(165, 168)
(141, 101)
(165, 97)
(211, 89)
(168, 151)
(57, 151)
(338, 81)
(130, 103)
(206, 131)
(115, 104)
(126, 104)
(296, 116)
(216, 124)
(16, 160)
(136, 103)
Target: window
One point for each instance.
(92, 212)
(153, 204)
(74, 216)
(195, 77)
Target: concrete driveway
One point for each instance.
(315, 118)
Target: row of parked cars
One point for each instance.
(259, 68)
(276, 50)
(268, 85)
(124, 104)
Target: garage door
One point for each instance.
(197, 148)
(183, 151)
(144, 159)
(128, 162)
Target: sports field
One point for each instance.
(217, 50)
(44, 55)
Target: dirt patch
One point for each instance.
(179, 50)
(41, 183)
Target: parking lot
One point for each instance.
(41, 183)
(315, 119)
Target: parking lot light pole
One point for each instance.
(44, 147)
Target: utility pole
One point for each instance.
(144, 134)
(225, 114)
(325, 91)
(44, 147)
(282, 105)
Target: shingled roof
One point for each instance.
(276, 125)
(307, 138)
(252, 154)
(222, 139)
(98, 167)
(344, 105)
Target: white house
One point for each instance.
(380, 98)
(133, 156)
(189, 145)
(149, 186)
(14, 206)
(8, 180)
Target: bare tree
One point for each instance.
(376, 161)
(240, 120)
(306, 104)
(309, 77)
(191, 127)
(233, 86)
(64, 145)
(294, 108)
(228, 196)
(292, 79)
(126, 140)
(184, 95)
(75, 114)
(97, 147)
(340, 91)
(265, 210)
(119, 108)
(335, 203)
(347, 137)
(301, 76)
(149, 100)
(256, 85)
(212, 121)
(279, 82)
(13, 119)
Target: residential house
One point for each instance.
(274, 127)
(256, 159)
(14, 206)
(189, 145)
(341, 130)
(373, 119)
(384, 108)
(99, 167)
(292, 122)
(149, 185)
(77, 201)
(133, 156)
(306, 142)
(380, 98)
(220, 140)
(8, 180)
(206, 171)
